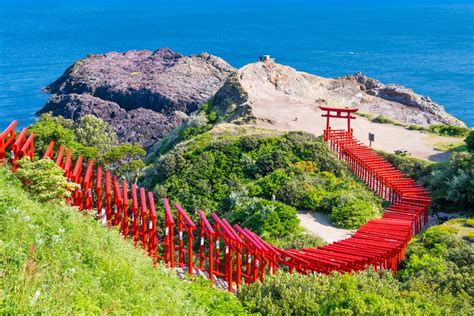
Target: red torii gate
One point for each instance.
(344, 113)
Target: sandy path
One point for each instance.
(387, 137)
(318, 224)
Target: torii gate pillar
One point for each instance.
(343, 113)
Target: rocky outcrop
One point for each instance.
(433, 112)
(275, 93)
(139, 125)
(143, 94)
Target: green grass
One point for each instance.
(386, 120)
(453, 146)
(55, 260)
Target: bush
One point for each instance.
(470, 141)
(449, 130)
(91, 138)
(299, 241)
(365, 293)
(45, 180)
(350, 212)
(470, 222)
(212, 117)
(385, 120)
(270, 219)
(440, 260)
(95, 132)
(470, 236)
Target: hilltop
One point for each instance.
(144, 95)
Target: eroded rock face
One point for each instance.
(270, 92)
(139, 125)
(143, 94)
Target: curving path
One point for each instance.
(229, 254)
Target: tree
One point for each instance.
(45, 180)
(95, 132)
(64, 132)
(126, 161)
(470, 141)
(58, 129)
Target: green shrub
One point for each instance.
(350, 212)
(385, 120)
(299, 241)
(449, 130)
(365, 293)
(270, 219)
(45, 180)
(440, 260)
(470, 222)
(470, 141)
(416, 128)
(91, 137)
(470, 236)
(95, 132)
(212, 117)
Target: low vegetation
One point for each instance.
(438, 129)
(437, 277)
(451, 183)
(55, 260)
(260, 179)
(91, 137)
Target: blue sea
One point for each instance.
(424, 45)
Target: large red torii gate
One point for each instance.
(344, 113)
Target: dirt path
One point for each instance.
(318, 224)
(307, 117)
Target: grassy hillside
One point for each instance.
(56, 260)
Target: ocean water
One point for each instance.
(428, 46)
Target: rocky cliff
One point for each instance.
(143, 94)
(271, 92)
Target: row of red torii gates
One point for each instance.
(229, 253)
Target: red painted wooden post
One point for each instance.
(87, 185)
(180, 240)
(49, 151)
(206, 230)
(169, 234)
(28, 148)
(7, 137)
(201, 243)
(108, 197)
(68, 165)
(77, 178)
(134, 213)
(15, 148)
(188, 224)
(60, 156)
(143, 221)
(152, 238)
(125, 208)
(98, 194)
(117, 202)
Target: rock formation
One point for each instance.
(265, 90)
(143, 94)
